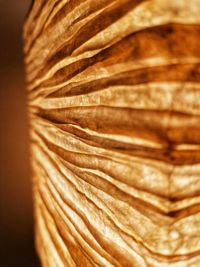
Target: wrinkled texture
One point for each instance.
(114, 110)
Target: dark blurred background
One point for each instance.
(16, 213)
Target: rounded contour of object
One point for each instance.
(114, 111)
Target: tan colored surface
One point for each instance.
(114, 100)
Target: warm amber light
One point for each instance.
(114, 98)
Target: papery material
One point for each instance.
(114, 111)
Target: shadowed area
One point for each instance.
(16, 214)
